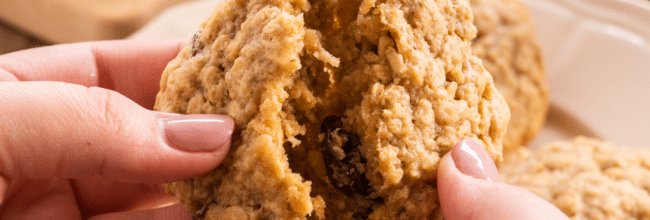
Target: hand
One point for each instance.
(88, 146)
(470, 189)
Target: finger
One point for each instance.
(4, 187)
(176, 211)
(52, 129)
(40, 199)
(130, 67)
(98, 195)
(7, 76)
(464, 195)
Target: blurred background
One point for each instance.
(32, 23)
(13, 39)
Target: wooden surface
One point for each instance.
(64, 21)
(12, 39)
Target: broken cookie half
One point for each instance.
(342, 108)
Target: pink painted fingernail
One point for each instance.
(472, 159)
(198, 132)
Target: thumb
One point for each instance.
(52, 129)
(470, 189)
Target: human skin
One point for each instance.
(78, 138)
(470, 189)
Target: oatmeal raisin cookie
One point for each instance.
(342, 108)
(585, 178)
(510, 52)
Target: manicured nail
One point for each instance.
(198, 132)
(472, 159)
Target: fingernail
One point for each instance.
(472, 159)
(198, 132)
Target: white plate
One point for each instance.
(597, 55)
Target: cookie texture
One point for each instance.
(342, 108)
(585, 178)
(510, 52)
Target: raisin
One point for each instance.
(343, 159)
